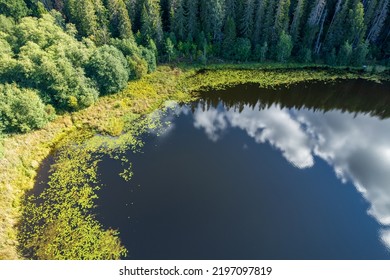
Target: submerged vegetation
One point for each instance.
(110, 126)
(58, 57)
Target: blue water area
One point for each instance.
(251, 174)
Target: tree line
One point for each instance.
(60, 55)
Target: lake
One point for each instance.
(248, 173)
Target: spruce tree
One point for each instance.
(151, 24)
(246, 23)
(120, 24)
(178, 20)
(229, 39)
(281, 17)
(259, 21)
(192, 17)
(296, 22)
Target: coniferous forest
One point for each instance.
(60, 55)
(82, 82)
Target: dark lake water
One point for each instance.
(248, 173)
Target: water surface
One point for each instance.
(248, 173)
(299, 173)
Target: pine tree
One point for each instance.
(192, 17)
(230, 7)
(369, 11)
(335, 35)
(211, 16)
(281, 17)
(131, 6)
(246, 23)
(284, 47)
(355, 23)
(120, 24)
(151, 24)
(296, 22)
(229, 39)
(178, 25)
(269, 22)
(259, 21)
(82, 13)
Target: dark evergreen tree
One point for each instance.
(120, 24)
(246, 23)
(192, 17)
(296, 22)
(258, 35)
(229, 39)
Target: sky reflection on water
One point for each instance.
(357, 147)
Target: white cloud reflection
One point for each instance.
(357, 147)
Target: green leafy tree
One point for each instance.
(150, 58)
(52, 61)
(109, 69)
(13, 8)
(21, 110)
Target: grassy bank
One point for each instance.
(120, 115)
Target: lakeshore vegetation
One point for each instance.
(58, 57)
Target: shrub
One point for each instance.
(21, 110)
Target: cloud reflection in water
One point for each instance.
(357, 147)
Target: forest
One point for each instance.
(60, 55)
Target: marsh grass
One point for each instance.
(110, 126)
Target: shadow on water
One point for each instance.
(354, 96)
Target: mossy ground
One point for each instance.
(118, 115)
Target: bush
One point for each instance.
(109, 69)
(138, 67)
(21, 110)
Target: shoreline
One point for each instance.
(109, 116)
